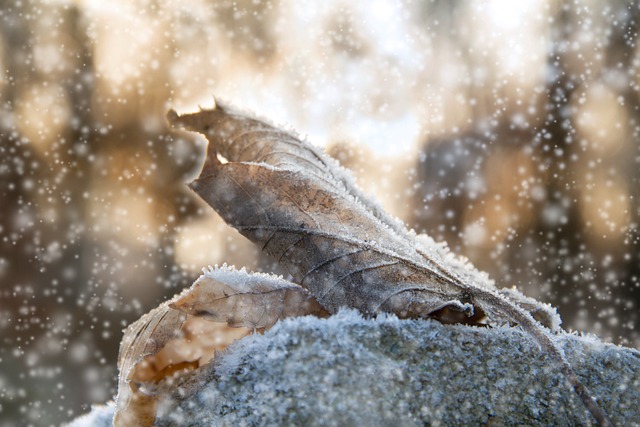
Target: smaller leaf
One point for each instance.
(178, 338)
(250, 300)
(146, 337)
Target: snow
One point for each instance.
(347, 370)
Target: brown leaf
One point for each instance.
(145, 337)
(172, 342)
(251, 300)
(302, 208)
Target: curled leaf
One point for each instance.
(302, 208)
(144, 338)
(174, 341)
(251, 300)
(305, 210)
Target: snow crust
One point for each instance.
(347, 370)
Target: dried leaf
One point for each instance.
(251, 300)
(302, 208)
(169, 344)
(146, 337)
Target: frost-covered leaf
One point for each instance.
(301, 207)
(156, 349)
(242, 299)
(169, 345)
(146, 337)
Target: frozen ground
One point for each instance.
(346, 370)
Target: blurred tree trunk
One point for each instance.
(49, 258)
(19, 162)
(622, 66)
(557, 228)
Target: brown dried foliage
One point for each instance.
(340, 249)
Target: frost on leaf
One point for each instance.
(241, 299)
(300, 207)
(174, 343)
(304, 209)
(340, 249)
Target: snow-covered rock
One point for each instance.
(346, 370)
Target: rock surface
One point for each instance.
(346, 370)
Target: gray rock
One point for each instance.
(347, 370)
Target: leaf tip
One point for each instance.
(172, 116)
(186, 301)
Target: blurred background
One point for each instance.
(510, 130)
